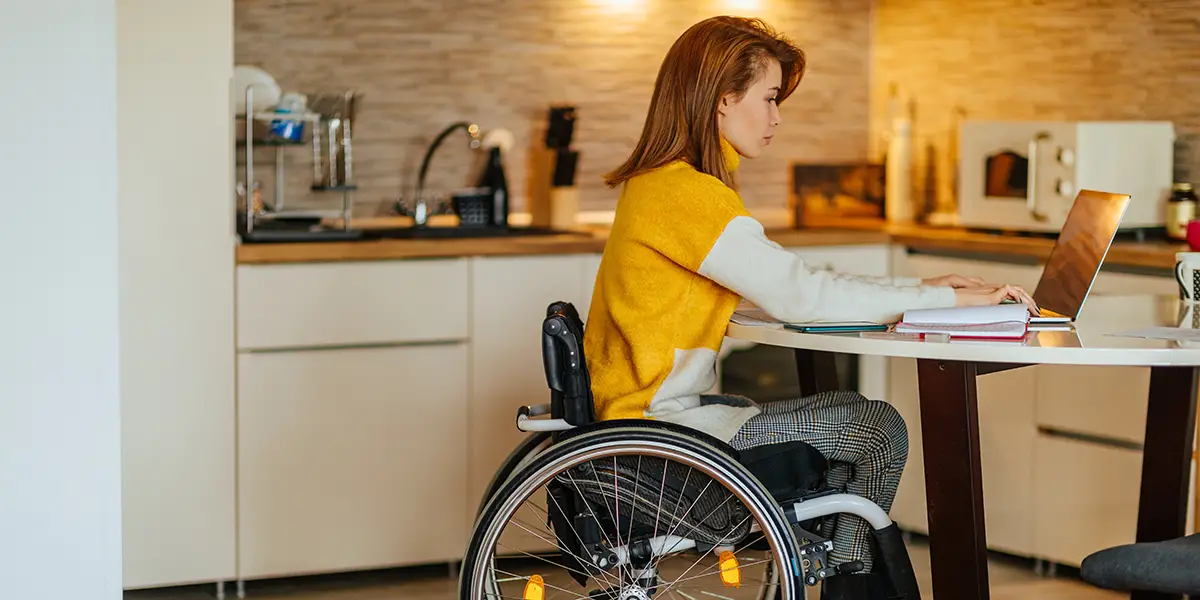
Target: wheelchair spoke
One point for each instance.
(553, 587)
(702, 556)
(638, 477)
(603, 574)
(617, 505)
(621, 574)
(543, 559)
(663, 489)
(680, 516)
(710, 573)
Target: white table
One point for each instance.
(946, 372)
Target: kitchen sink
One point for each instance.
(439, 233)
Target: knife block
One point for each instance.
(550, 205)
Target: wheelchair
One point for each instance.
(639, 509)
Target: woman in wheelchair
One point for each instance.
(640, 484)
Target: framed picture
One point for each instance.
(848, 195)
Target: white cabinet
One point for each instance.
(176, 301)
(869, 260)
(1006, 452)
(351, 303)
(509, 300)
(351, 458)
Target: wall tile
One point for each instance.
(1033, 59)
(423, 64)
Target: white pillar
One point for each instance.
(60, 444)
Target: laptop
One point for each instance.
(1078, 253)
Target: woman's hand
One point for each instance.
(988, 295)
(954, 281)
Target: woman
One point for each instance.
(684, 251)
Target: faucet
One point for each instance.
(420, 210)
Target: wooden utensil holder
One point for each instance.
(550, 206)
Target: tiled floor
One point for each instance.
(1011, 579)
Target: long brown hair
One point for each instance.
(713, 58)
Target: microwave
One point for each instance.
(1023, 175)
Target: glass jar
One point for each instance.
(1181, 209)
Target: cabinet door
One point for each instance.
(857, 260)
(1007, 432)
(351, 458)
(510, 296)
(590, 263)
(1087, 498)
(871, 260)
(908, 509)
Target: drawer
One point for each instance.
(351, 303)
(923, 266)
(1108, 402)
(855, 260)
(1086, 498)
(1109, 283)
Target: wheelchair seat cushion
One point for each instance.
(661, 498)
(1169, 567)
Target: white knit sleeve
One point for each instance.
(778, 281)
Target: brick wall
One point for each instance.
(1033, 59)
(423, 64)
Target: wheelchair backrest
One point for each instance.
(565, 365)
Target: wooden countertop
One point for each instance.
(1151, 254)
(1156, 254)
(576, 242)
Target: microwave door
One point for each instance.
(1012, 176)
(1015, 184)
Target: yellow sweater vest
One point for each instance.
(682, 253)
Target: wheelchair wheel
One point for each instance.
(519, 457)
(631, 513)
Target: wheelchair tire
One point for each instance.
(672, 443)
(531, 445)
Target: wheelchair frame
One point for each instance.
(569, 417)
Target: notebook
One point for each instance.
(1000, 321)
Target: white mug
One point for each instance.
(1187, 275)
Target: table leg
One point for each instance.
(1166, 459)
(953, 479)
(817, 371)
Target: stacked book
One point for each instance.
(1004, 321)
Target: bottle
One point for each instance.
(494, 179)
(1181, 209)
(898, 174)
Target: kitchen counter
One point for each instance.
(584, 241)
(1158, 255)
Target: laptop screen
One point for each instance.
(1075, 260)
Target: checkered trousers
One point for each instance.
(865, 441)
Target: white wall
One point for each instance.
(60, 462)
(175, 61)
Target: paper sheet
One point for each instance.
(754, 317)
(1163, 333)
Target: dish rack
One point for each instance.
(326, 126)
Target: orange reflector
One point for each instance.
(731, 574)
(535, 589)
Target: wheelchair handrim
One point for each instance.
(550, 465)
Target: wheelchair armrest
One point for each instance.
(527, 422)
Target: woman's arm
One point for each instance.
(782, 284)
